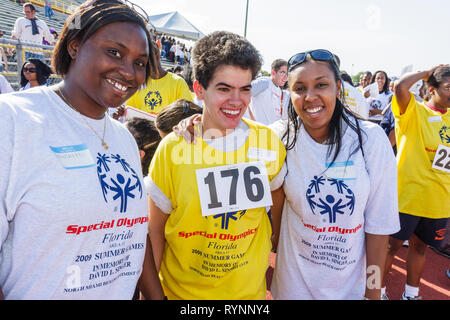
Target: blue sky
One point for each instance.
(366, 34)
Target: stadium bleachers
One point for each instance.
(11, 10)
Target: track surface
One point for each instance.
(435, 285)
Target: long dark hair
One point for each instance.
(43, 72)
(334, 140)
(386, 83)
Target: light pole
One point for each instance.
(246, 16)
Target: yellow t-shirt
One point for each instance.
(221, 256)
(423, 191)
(158, 94)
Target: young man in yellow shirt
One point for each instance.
(209, 225)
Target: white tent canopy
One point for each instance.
(176, 25)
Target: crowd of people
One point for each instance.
(32, 30)
(173, 50)
(187, 199)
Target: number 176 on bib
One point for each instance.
(233, 187)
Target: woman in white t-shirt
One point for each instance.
(74, 215)
(340, 191)
(379, 102)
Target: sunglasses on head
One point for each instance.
(31, 70)
(319, 55)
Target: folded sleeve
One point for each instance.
(161, 188)
(396, 109)
(277, 181)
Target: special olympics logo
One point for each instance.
(120, 184)
(227, 217)
(375, 104)
(340, 202)
(444, 134)
(153, 99)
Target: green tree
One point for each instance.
(356, 77)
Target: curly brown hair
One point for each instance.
(223, 48)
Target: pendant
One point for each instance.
(105, 146)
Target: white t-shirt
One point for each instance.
(379, 102)
(355, 101)
(73, 216)
(23, 31)
(178, 51)
(321, 250)
(269, 103)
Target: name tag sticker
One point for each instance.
(441, 160)
(434, 119)
(344, 170)
(261, 154)
(74, 157)
(231, 188)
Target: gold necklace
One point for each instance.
(104, 144)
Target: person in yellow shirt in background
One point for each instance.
(209, 224)
(423, 158)
(161, 89)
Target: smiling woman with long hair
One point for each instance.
(73, 215)
(34, 73)
(378, 103)
(340, 191)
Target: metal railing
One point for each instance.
(17, 53)
(64, 6)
